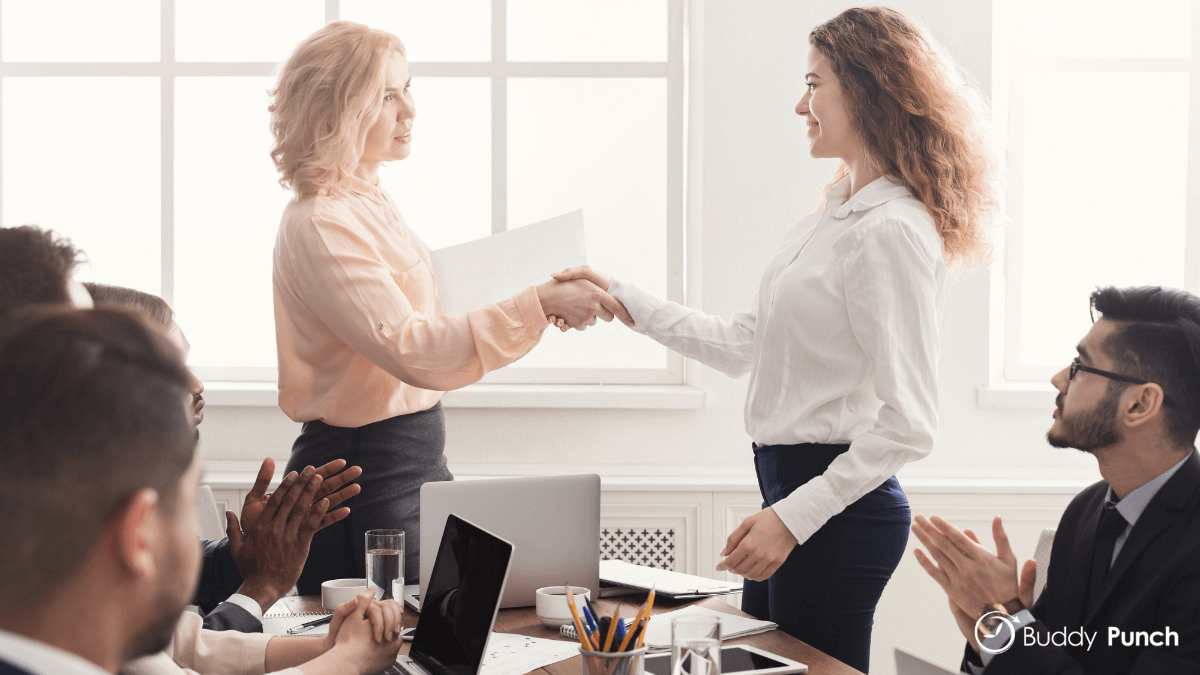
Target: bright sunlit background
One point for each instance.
(173, 191)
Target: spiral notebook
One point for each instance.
(658, 631)
(278, 623)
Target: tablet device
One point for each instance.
(735, 659)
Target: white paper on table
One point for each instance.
(500, 266)
(511, 654)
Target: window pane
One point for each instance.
(91, 175)
(444, 188)
(96, 31)
(1100, 206)
(587, 30)
(227, 207)
(446, 30)
(233, 30)
(1100, 28)
(599, 144)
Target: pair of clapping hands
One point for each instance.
(976, 581)
(270, 541)
(577, 297)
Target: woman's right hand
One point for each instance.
(366, 633)
(585, 272)
(578, 302)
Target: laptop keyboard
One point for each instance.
(400, 669)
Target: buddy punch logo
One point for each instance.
(996, 632)
(990, 633)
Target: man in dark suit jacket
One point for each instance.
(1123, 589)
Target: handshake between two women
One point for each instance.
(577, 296)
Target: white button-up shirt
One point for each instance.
(43, 659)
(841, 343)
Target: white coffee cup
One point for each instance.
(550, 604)
(336, 591)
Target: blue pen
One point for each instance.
(620, 631)
(589, 621)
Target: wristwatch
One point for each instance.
(993, 622)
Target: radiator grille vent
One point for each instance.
(652, 548)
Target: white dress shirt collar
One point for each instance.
(43, 659)
(871, 195)
(1134, 503)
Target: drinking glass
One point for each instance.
(385, 563)
(696, 645)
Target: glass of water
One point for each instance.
(696, 645)
(385, 563)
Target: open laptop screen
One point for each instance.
(460, 603)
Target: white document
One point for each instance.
(499, 266)
(666, 581)
(511, 654)
(658, 631)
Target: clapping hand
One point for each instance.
(972, 576)
(270, 543)
(605, 306)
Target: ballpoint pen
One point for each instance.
(309, 625)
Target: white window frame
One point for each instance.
(1011, 383)
(671, 387)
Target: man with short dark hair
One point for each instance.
(95, 415)
(1124, 576)
(36, 269)
(111, 546)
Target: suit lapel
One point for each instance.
(1079, 575)
(1157, 517)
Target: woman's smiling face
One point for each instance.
(830, 131)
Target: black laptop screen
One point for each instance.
(460, 602)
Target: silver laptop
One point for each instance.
(908, 663)
(554, 522)
(469, 574)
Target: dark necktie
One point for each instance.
(1112, 524)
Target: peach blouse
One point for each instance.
(358, 324)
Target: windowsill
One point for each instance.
(1018, 396)
(612, 396)
(239, 474)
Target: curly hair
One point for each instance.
(324, 102)
(34, 265)
(921, 121)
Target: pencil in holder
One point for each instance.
(614, 663)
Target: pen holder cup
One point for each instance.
(614, 663)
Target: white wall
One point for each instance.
(758, 180)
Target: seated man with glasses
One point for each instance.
(1123, 588)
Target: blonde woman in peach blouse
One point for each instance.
(365, 353)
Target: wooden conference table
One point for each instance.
(523, 621)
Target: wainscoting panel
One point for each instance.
(674, 526)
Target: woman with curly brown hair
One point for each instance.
(842, 343)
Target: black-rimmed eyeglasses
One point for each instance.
(1076, 366)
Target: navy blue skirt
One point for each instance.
(826, 592)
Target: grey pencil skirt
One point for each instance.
(397, 456)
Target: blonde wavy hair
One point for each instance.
(325, 101)
(921, 120)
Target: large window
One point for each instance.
(139, 129)
(1103, 182)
